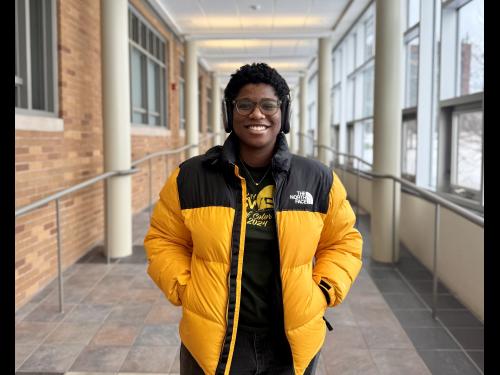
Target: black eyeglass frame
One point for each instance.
(254, 104)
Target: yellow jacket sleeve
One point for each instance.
(168, 244)
(338, 256)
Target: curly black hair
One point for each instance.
(256, 73)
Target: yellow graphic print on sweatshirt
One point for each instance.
(260, 207)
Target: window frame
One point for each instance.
(24, 50)
(150, 53)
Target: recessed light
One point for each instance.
(255, 6)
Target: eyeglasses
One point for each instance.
(267, 106)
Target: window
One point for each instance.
(467, 145)
(412, 13)
(368, 88)
(35, 56)
(350, 142)
(369, 40)
(367, 139)
(200, 103)
(471, 48)
(182, 105)
(409, 149)
(412, 52)
(147, 70)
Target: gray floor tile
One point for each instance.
(116, 334)
(426, 287)
(469, 338)
(49, 313)
(444, 301)
(399, 361)
(375, 317)
(164, 314)
(391, 286)
(444, 362)
(22, 353)
(72, 333)
(130, 313)
(159, 335)
(416, 318)
(53, 358)
(100, 358)
(478, 357)
(92, 313)
(149, 359)
(345, 336)
(458, 318)
(386, 337)
(431, 338)
(403, 301)
(383, 273)
(350, 361)
(33, 333)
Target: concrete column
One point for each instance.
(116, 117)
(303, 114)
(191, 96)
(216, 109)
(387, 128)
(324, 88)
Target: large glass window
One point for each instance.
(369, 38)
(471, 47)
(147, 70)
(412, 13)
(368, 87)
(409, 149)
(367, 149)
(35, 56)
(467, 135)
(412, 52)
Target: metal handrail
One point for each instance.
(429, 196)
(102, 177)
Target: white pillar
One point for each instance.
(294, 121)
(324, 88)
(191, 96)
(303, 114)
(116, 117)
(216, 109)
(387, 129)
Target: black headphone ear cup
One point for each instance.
(285, 116)
(227, 116)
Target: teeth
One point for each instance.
(256, 127)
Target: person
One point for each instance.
(254, 242)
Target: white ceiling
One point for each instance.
(282, 33)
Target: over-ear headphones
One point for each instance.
(227, 115)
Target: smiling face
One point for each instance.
(257, 131)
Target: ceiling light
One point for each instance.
(255, 7)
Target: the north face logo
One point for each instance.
(302, 197)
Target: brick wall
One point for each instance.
(47, 162)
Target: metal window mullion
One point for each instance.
(149, 55)
(28, 56)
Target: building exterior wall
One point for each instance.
(50, 161)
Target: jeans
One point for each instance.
(256, 354)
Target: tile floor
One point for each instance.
(116, 321)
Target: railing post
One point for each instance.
(58, 224)
(434, 276)
(394, 240)
(150, 188)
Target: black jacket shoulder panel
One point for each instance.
(201, 184)
(307, 187)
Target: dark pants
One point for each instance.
(256, 354)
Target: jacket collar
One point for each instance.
(228, 153)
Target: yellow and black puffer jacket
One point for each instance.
(195, 248)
